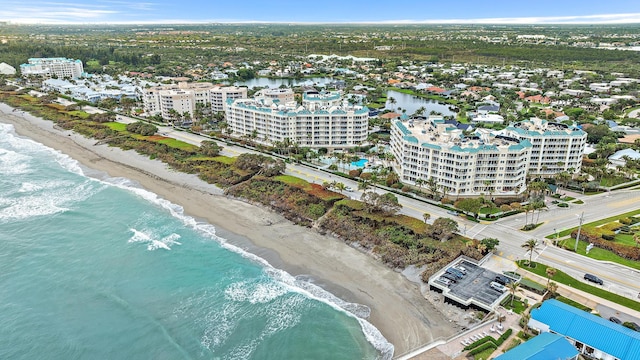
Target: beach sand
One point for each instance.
(398, 309)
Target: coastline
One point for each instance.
(398, 309)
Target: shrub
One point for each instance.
(479, 342)
(563, 205)
(355, 173)
(406, 188)
(483, 347)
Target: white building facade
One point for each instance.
(323, 120)
(183, 97)
(50, 67)
(556, 147)
(461, 165)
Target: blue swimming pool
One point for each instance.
(360, 163)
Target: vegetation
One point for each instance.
(563, 278)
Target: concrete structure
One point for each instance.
(323, 119)
(462, 165)
(556, 147)
(6, 69)
(591, 335)
(49, 67)
(183, 97)
(545, 346)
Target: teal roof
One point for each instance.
(542, 347)
(431, 146)
(403, 128)
(596, 332)
(411, 139)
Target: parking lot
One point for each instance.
(473, 288)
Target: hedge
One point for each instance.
(483, 347)
(625, 251)
(490, 339)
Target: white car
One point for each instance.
(499, 287)
(444, 280)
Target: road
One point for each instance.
(617, 278)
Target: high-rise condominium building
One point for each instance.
(50, 67)
(322, 120)
(183, 97)
(461, 165)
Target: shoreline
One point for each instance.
(398, 309)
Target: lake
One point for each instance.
(276, 83)
(412, 103)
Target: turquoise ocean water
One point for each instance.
(101, 269)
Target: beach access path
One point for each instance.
(398, 309)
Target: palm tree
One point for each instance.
(340, 187)
(426, 217)
(420, 183)
(364, 185)
(553, 287)
(513, 288)
(432, 184)
(550, 273)
(532, 247)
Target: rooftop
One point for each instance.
(435, 132)
(542, 347)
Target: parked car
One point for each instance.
(593, 279)
(499, 287)
(451, 277)
(455, 272)
(632, 326)
(461, 269)
(615, 320)
(503, 280)
(444, 280)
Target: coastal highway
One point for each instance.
(617, 278)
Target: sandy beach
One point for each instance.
(398, 309)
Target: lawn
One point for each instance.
(79, 114)
(563, 278)
(176, 144)
(598, 254)
(484, 355)
(518, 306)
(489, 210)
(595, 223)
(117, 126)
(573, 303)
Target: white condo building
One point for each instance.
(461, 165)
(323, 119)
(555, 148)
(183, 97)
(49, 67)
(486, 162)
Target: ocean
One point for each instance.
(93, 267)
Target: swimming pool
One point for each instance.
(360, 163)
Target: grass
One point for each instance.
(177, 144)
(613, 181)
(518, 305)
(573, 303)
(567, 232)
(563, 278)
(599, 254)
(117, 126)
(514, 342)
(79, 114)
(484, 355)
(578, 202)
(489, 210)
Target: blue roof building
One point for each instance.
(546, 346)
(590, 334)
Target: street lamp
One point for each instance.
(578, 234)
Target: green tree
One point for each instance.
(443, 229)
(210, 148)
(531, 246)
(490, 243)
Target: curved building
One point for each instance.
(462, 165)
(323, 119)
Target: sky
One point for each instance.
(322, 11)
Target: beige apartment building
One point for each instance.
(52, 67)
(183, 97)
(322, 120)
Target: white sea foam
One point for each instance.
(24, 144)
(307, 289)
(13, 163)
(147, 237)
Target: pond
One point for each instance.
(412, 103)
(276, 83)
